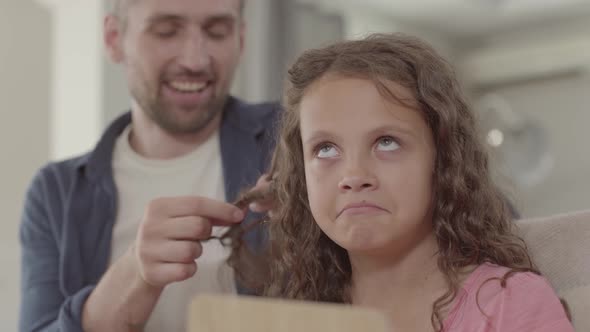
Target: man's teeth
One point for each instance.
(188, 86)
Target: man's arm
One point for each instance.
(165, 250)
(122, 296)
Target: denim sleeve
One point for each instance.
(43, 305)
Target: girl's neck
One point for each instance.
(403, 286)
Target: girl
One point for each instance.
(384, 199)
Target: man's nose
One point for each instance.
(195, 54)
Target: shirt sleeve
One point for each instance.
(43, 306)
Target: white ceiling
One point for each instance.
(469, 18)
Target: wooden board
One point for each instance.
(223, 313)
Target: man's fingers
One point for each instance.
(166, 273)
(196, 206)
(183, 252)
(188, 228)
(191, 228)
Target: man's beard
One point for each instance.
(164, 115)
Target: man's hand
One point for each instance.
(165, 249)
(168, 240)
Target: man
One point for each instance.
(110, 239)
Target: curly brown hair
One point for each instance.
(471, 217)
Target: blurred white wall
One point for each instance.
(76, 77)
(562, 106)
(359, 22)
(24, 130)
(87, 90)
(257, 57)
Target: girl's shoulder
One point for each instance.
(489, 278)
(519, 301)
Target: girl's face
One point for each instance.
(368, 165)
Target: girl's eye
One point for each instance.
(327, 151)
(387, 143)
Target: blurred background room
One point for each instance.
(525, 65)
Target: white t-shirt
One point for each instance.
(140, 180)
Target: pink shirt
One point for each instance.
(527, 304)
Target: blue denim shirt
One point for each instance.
(70, 211)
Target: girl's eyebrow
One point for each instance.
(403, 130)
(317, 136)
